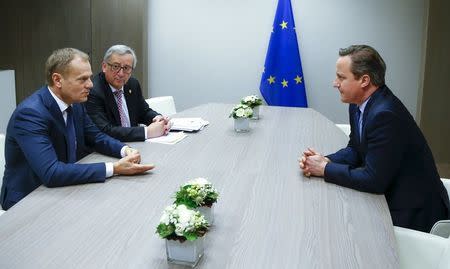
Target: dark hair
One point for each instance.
(366, 60)
(59, 62)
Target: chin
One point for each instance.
(343, 100)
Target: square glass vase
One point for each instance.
(186, 253)
(241, 125)
(255, 115)
(207, 212)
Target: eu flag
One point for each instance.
(282, 82)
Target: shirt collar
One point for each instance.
(114, 89)
(363, 105)
(61, 104)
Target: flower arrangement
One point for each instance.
(181, 223)
(241, 111)
(196, 192)
(251, 101)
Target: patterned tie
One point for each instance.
(123, 119)
(71, 137)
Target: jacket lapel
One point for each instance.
(128, 93)
(53, 108)
(110, 100)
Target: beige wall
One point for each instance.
(435, 108)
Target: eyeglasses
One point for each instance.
(116, 68)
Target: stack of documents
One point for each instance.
(188, 124)
(170, 138)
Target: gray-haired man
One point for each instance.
(116, 104)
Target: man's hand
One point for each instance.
(161, 118)
(156, 129)
(131, 151)
(129, 165)
(313, 163)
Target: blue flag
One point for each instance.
(282, 82)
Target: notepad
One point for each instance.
(169, 139)
(188, 124)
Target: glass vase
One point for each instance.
(255, 115)
(241, 125)
(207, 212)
(186, 253)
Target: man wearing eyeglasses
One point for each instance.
(116, 104)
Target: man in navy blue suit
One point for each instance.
(387, 153)
(50, 130)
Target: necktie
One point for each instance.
(123, 119)
(358, 122)
(71, 137)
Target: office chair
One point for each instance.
(163, 104)
(345, 128)
(442, 227)
(421, 250)
(2, 163)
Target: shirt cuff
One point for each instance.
(109, 169)
(122, 151)
(145, 132)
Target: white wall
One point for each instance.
(8, 98)
(214, 50)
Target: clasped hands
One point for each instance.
(130, 164)
(313, 163)
(160, 126)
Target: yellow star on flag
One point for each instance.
(298, 79)
(285, 83)
(271, 80)
(283, 25)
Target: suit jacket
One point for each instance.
(102, 109)
(36, 151)
(392, 158)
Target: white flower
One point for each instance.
(184, 214)
(240, 112)
(198, 181)
(165, 218)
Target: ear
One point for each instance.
(104, 66)
(57, 80)
(365, 80)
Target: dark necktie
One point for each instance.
(357, 123)
(123, 119)
(71, 137)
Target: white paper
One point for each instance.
(170, 138)
(188, 124)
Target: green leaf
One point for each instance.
(190, 236)
(165, 230)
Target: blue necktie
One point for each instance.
(358, 122)
(71, 138)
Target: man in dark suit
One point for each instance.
(387, 153)
(49, 131)
(116, 104)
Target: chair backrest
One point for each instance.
(163, 104)
(2, 162)
(421, 250)
(2, 157)
(345, 128)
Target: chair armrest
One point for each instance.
(419, 250)
(441, 228)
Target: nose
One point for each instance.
(89, 84)
(121, 72)
(336, 84)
